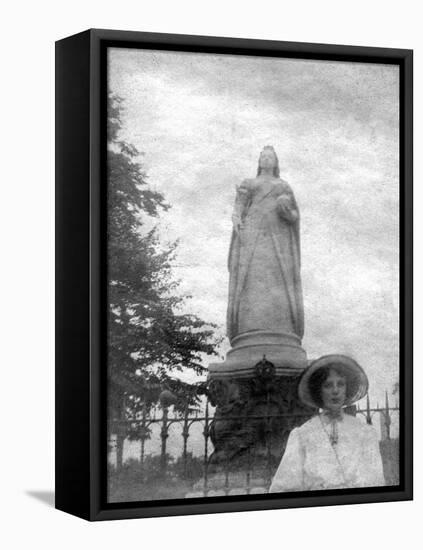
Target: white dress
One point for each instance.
(311, 462)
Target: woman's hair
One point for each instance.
(276, 171)
(319, 377)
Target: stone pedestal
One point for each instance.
(228, 484)
(254, 416)
(282, 349)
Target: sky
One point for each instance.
(201, 120)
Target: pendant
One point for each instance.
(334, 433)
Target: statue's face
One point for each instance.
(267, 159)
(334, 391)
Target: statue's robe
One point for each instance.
(264, 262)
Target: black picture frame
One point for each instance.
(81, 286)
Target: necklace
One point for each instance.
(333, 439)
(333, 435)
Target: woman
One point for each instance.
(264, 258)
(333, 450)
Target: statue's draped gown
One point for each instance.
(264, 262)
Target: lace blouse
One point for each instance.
(321, 455)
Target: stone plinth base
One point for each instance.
(253, 418)
(235, 483)
(283, 350)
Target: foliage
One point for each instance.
(150, 338)
(133, 483)
(191, 467)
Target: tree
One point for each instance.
(150, 338)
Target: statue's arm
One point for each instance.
(286, 205)
(242, 199)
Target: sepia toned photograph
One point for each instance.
(253, 261)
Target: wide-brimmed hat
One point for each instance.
(357, 381)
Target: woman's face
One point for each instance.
(267, 159)
(334, 391)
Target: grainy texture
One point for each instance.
(201, 121)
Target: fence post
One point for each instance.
(269, 440)
(248, 479)
(387, 417)
(206, 438)
(368, 415)
(185, 435)
(121, 433)
(164, 433)
(143, 437)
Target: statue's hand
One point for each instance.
(237, 223)
(285, 209)
(283, 201)
(242, 189)
(241, 193)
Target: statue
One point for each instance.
(255, 386)
(265, 315)
(264, 258)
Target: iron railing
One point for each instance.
(252, 474)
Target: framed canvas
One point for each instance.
(233, 274)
